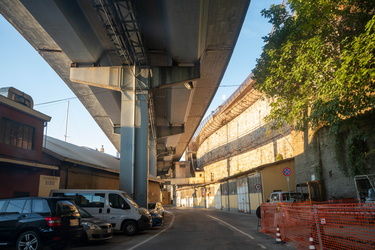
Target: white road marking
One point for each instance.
(143, 242)
(229, 225)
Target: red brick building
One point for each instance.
(21, 145)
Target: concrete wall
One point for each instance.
(182, 169)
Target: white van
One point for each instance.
(114, 206)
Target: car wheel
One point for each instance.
(130, 228)
(29, 240)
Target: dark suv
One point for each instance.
(35, 222)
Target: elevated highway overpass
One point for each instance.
(146, 70)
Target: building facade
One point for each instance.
(21, 146)
(31, 163)
(244, 159)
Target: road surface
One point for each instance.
(195, 229)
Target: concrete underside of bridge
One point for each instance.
(145, 70)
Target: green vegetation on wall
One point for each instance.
(318, 63)
(355, 145)
(318, 66)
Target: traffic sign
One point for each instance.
(287, 171)
(258, 186)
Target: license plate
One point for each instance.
(74, 222)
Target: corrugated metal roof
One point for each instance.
(65, 151)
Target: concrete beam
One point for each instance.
(163, 77)
(113, 78)
(117, 77)
(165, 131)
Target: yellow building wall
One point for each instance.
(233, 203)
(166, 198)
(224, 202)
(154, 192)
(273, 178)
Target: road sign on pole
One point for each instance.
(258, 186)
(287, 171)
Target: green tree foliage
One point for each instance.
(318, 62)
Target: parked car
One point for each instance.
(157, 206)
(285, 196)
(114, 206)
(35, 222)
(95, 229)
(157, 219)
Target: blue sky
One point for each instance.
(23, 68)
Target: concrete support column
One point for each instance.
(127, 160)
(134, 162)
(141, 149)
(133, 83)
(153, 155)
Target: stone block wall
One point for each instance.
(244, 143)
(247, 142)
(319, 161)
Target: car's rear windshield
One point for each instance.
(285, 197)
(66, 208)
(294, 196)
(84, 213)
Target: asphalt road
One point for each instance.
(195, 229)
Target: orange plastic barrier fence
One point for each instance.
(321, 225)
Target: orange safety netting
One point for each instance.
(331, 225)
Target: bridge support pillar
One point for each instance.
(133, 84)
(134, 162)
(152, 155)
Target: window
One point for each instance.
(224, 188)
(27, 207)
(15, 206)
(233, 187)
(40, 206)
(116, 201)
(85, 199)
(274, 197)
(20, 99)
(1, 205)
(92, 200)
(66, 208)
(16, 134)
